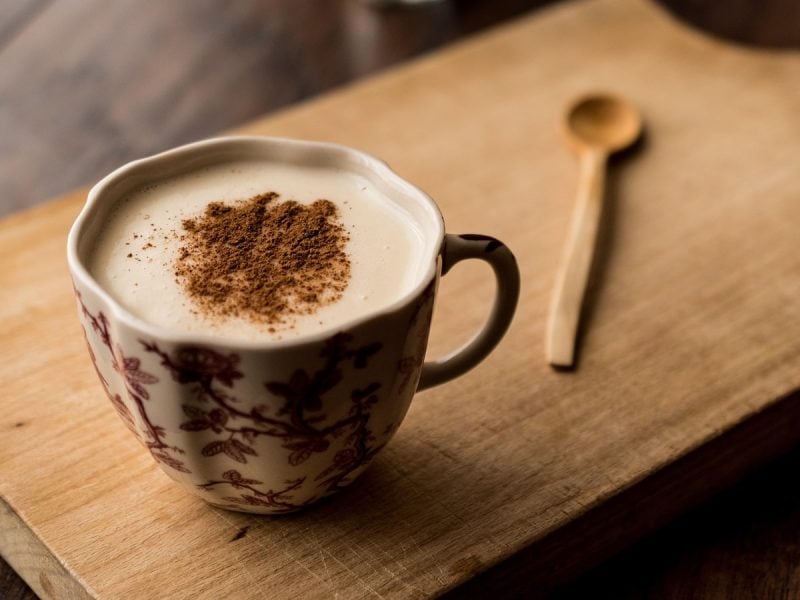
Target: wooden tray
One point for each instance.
(514, 475)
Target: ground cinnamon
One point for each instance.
(264, 259)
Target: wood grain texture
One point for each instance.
(31, 559)
(344, 41)
(741, 545)
(144, 76)
(641, 509)
(689, 332)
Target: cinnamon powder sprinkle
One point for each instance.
(263, 259)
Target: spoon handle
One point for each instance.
(573, 273)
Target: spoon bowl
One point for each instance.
(603, 122)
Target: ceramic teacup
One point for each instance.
(272, 426)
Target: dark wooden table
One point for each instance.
(86, 86)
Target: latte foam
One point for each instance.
(135, 256)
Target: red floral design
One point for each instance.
(300, 419)
(135, 380)
(116, 399)
(275, 500)
(360, 448)
(410, 364)
(297, 422)
(201, 365)
(123, 412)
(134, 376)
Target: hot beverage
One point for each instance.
(258, 310)
(249, 249)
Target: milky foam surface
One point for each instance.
(385, 246)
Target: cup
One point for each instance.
(273, 426)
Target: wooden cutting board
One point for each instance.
(514, 476)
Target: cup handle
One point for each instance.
(504, 265)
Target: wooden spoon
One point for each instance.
(596, 127)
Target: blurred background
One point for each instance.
(86, 85)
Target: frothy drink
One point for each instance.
(250, 250)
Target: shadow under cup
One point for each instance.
(272, 426)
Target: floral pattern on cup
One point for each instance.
(298, 420)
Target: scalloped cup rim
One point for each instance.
(376, 169)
